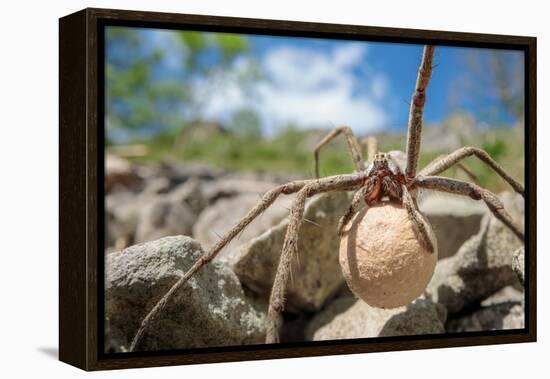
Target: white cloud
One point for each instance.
(307, 87)
(349, 54)
(166, 41)
(379, 86)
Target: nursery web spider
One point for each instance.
(381, 181)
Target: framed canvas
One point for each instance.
(242, 189)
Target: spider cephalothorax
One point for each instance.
(381, 186)
(384, 180)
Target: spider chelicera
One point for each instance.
(382, 181)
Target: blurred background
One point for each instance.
(260, 103)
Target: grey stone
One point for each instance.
(191, 194)
(155, 186)
(120, 174)
(162, 217)
(210, 310)
(504, 295)
(263, 176)
(111, 343)
(294, 327)
(347, 318)
(179, 172)
(153, 213)
(217, 219)
(316, 273)
(122, 216)
(518, 264)
(454, 220)
(502, 310)
(229, 187)
(482, 266)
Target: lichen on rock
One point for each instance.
(210, 310)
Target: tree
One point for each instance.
(246, 123)
(143, 96)
(498, 74)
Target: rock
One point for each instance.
(227, 187)
(162, 217)
(116, 234)
(153, 213)
(217, 219)
(191, 194)
(502, 310)
(514, 204)
(454, 219)
(179, 172)
(156, 186)
(210, 310)
(263, 176)
(316, 274)
(188, 170)
(505, 295)
(145, 216)
(494, 317)
(351, 318)
(518, 264)
(294, 327)
(482, 266)
(112, 344)
(343, 291)
(120, 174)
(122, 216)
(382, 258)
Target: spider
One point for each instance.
(381, 182)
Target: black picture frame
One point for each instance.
(81, 197)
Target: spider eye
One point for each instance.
(380, 157)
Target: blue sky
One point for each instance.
(322, 83)
(391, 68)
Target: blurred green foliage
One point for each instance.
(291, 152)
(138, 99)
(246, 123)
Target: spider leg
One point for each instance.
(414, 133)
(419, 222)
(353, 147)
(267, 199)
(474, 191)
(353, 208)
(438, 166)
(343, 182)
(370, 144)
(290, 245)
(469, 173)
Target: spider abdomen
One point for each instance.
(382, 259)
